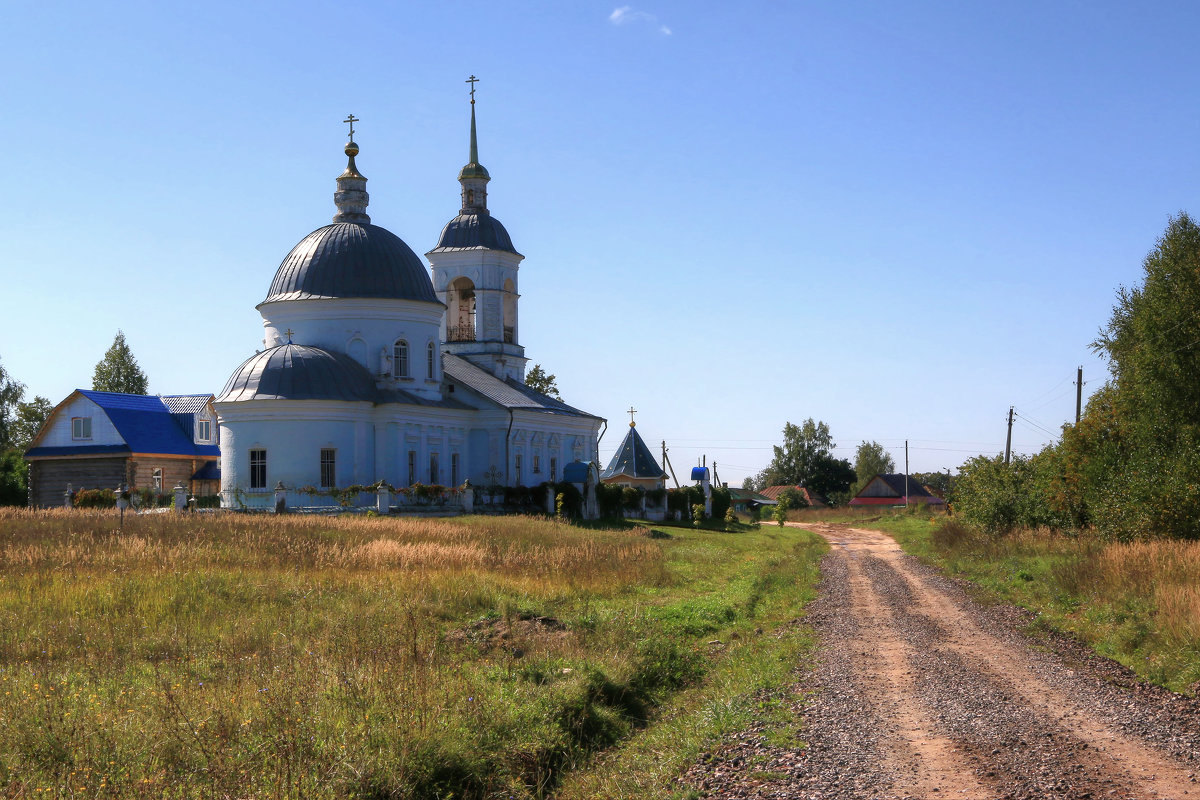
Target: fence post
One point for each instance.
(180, 497)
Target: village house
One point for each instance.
(103, 440)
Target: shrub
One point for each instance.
(95, 498)
(631, 498)
(697, 513)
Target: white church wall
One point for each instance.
(293, 433)
(337, 325)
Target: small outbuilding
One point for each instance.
(101, 440)
(891, 489)
(813, 499)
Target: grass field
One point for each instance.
(1137, 603)
(229, 655)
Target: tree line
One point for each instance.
(1130, 468)
(21, 419)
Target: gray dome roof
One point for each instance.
(467, 231)
(296, 372)
(351, 260)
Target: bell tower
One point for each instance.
(475, 274)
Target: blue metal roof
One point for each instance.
(79, 450)
(633, 459)
(347, 259)
(699, 473)
(576, 472)
(473, 231)
(211, 471)
(144, 422)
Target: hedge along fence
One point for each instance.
(685, 498)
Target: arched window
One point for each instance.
(460, 318)
(400, 359)
(510, 312)
(430, 352)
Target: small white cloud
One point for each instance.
(626, 14)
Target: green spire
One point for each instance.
(474, 142)
(473, 169)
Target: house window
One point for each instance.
(412, 467)
(328, 467)
(203, 430)
(553, 468)
(156, 477)
(258, 469)
(537, 463)
(454, 469)
(400, 359)
(433, 468)
(81, 427)
(429, 358)
(517, 468)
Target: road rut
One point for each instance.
(919, 692)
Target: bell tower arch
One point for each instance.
(475, 274)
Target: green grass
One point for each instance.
(228, 655)
(1137, 603)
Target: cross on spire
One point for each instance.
(631, 412)
(351, 119)
(472, 80)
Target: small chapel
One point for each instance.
(374, 367)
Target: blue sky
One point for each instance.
(899, 218)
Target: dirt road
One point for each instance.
(919, 692)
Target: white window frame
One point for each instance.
(259, 462)
(328, 459)
(400, 358)
(156, 477)
(204, 429)
(81, 428)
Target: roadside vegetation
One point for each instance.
(244, 656)
(1136, 602)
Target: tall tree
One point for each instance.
(871, 459)
(11, 392)
(542, 381)
(118, 371)
(806, 459)
(28, 421)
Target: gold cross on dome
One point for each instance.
(289, 333)
(631, 412)
(352, 119)
(472, 80)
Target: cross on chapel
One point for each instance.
(631, 412)
(351, 119)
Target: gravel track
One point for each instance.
(920, 692)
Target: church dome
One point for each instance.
(296, 372)
(348, 259)
(468, 231)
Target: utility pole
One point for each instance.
(1078, 394)
(906, 473)
(667, 461)
(1008, 443)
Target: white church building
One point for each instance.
(371, 371)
